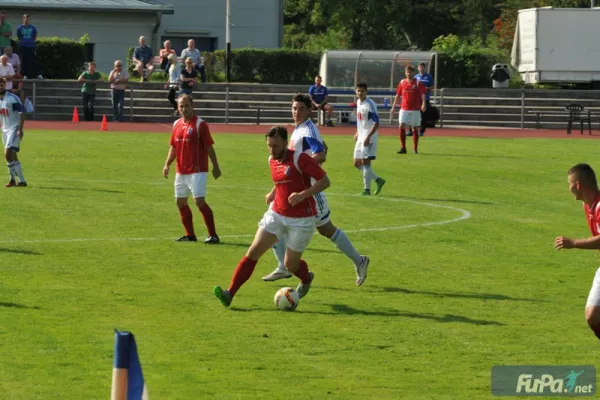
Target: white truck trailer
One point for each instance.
(558, 45)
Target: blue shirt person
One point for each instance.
(427, 80)
(318, 94)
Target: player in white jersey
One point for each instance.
(365, 150)
(12, 120)
(307, 138)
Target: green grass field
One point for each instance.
(88, 247)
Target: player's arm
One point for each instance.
(374, 116)
(269, 198)
(81, 78)
(21, 124)
(396, 98)
(170, 158)
(215, 163)
(310, 167)
(592, 243)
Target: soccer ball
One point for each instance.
(287, 299)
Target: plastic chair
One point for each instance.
(578, 113)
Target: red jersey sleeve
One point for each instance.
(308, 165)
(205, 136)
(399, 88)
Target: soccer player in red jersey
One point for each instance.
(192, 146)
(584, 186)
(413, 95)
(291, 217)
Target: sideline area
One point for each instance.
(153, 127)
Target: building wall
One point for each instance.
(255, 23)
(112, 33)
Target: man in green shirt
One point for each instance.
(88, 91)
(5, 32)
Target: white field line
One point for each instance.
(464, 214)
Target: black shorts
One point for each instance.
(315, 108)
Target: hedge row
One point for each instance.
(58, 58)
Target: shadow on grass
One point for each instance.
(15, 305)
(79, 189)
(342, 309)
(347, 310)
(456, 295)
(16, 251)
(445, 200)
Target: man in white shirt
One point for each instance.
(13, 59)
(7, 71)
(192, 52)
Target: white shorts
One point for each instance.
(410, 118)
(323, 212)
(296, 232)
(594, 296)
(11, 139)
(194, 184)
(365, 153)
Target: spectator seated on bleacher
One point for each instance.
(7, 71)
(13, 59)
(164, 56)
(143, 59)
(319, 95)
(196, 56)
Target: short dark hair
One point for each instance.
(361, 85)
(318, 76)
(302, 98)
(278, 131)
(585, 175)
(422, 65)
(409, 67)
(186, 96)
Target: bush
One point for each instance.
(468, 64)
(59, 58)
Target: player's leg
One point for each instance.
(403, 120)
(297, 236)
(339, 238)
(592, 306)
(341, 241)
(13, 145)
(416, 124)
(198, 188)
(182, 192)
(358, 164)
(281, 271)
(368, 170)
(423, 119)
(8, 155)
(270, 227)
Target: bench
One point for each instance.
(156, 61)
(586, 116)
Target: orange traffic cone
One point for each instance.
(104, 126)
(75, 115)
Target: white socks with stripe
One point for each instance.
(342, 242)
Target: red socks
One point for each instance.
(302, 272)
(187, 220)
(403, 138)
(415, 138)
(242, 273)
(209, 220)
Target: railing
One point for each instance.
(233, 103)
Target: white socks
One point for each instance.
(342, 242)
(368, 176)
(279, 251)
(18, 171)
